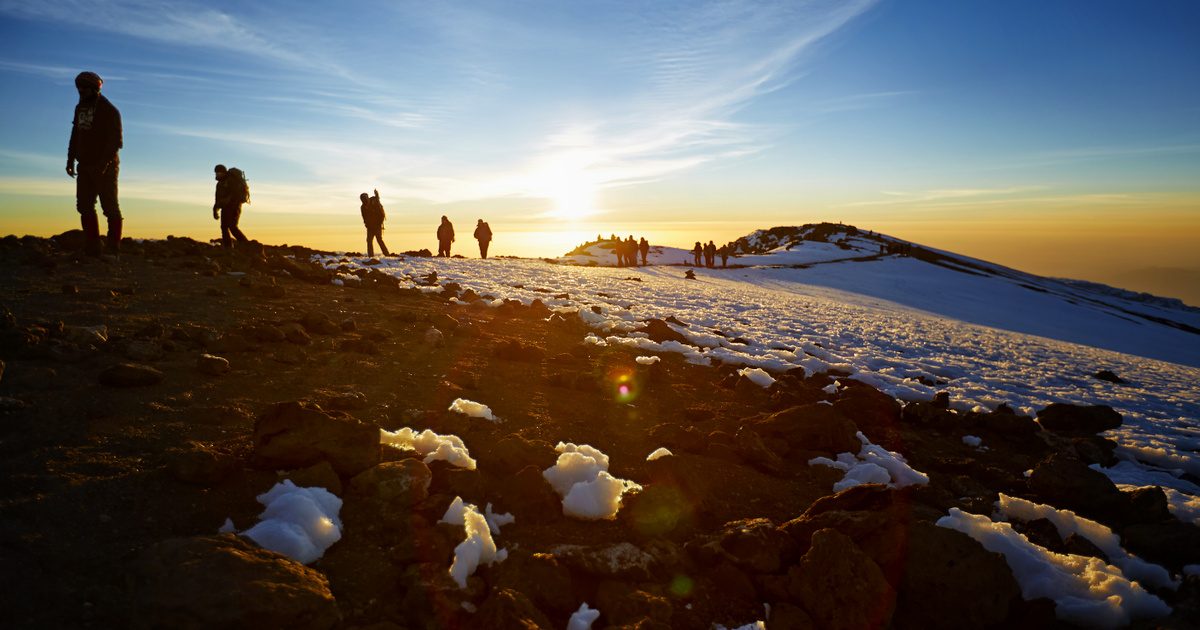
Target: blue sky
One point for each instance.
(925, 119)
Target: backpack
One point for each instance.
(377, 206)
(240, 189)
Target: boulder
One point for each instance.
(130, 375)
(1062, 480)
(1171, 543)
(227, 582)
(812, 427)
(539, 575)
(401, 482)
(661, 509)
(1078, 419)
(617, 561)
(1110, 376)
(950, 581)
(757, 545)
(528, 492)
(212, 364)
(840, 586)
(346, 401)
(298, 435)
(659, 331)
(319, 475)
(622, 603)
(512, 453)
(867, 407)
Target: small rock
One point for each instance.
(212, 364)
(1107, 375)
(11, 404)
(130, 375)
(298, 435)
(144, 350)
(349, 325)
(289, 355)
(319, 323)
(296, 334)
(434, 338)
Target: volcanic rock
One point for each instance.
(812, 427)
(212, 364)
(840, 586)
(130, 375)
(403, 482)
(950, 581)
(659, 331)
(227, 582)
(298, 435)
(1064, 418)
(757, 545)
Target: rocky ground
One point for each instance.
(143, 401)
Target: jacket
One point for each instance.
(95, 133)
(483, 232)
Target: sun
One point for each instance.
(573, 196)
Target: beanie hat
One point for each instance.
(88, 79)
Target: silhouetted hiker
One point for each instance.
(644, 249)
(483, 234)
(95, 141)
(232, 192)
(631, 249)
(373, 217)
(710, 255)
(445, 236)
(723, 252)
(697, 251)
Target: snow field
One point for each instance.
(880, 322)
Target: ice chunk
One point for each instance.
(658, 453)
(583, 618)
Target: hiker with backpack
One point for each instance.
(483, 234)
(232, 192)
(445, 235)
(373, 217)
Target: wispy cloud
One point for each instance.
(944, 195)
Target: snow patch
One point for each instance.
(1085, 590)
(478, 547)
(473, 409)
(583, 618)
(758, 376)
(644, 360)
(581, 478)
(300, 523)
(872, 464)
(659, 453)
(430, 445)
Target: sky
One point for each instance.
(1061, 138)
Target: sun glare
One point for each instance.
(574, 198)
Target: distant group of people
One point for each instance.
(709, 254)
(627, 250)
(445, 237)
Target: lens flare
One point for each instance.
(624, 385)
(681, 585)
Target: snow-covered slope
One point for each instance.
(912, 323)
